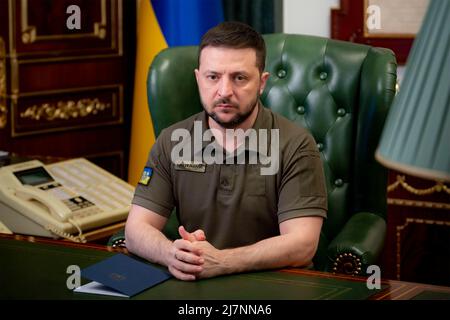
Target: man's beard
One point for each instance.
(238, 118)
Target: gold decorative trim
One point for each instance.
(3, 114)
(116, 17)
(418, 204)
(3, 108)
(65, 110)
(117, 111)
(30, 35)
(100, 27)
(402, 227)
(401, 180)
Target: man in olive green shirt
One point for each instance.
(261, 205)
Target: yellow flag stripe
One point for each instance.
(150, 42)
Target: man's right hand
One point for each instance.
(197, 235)
(184, 260)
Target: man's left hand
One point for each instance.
(214, 264)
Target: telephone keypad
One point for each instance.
(50, 186)
(78, 203)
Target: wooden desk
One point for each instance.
(99, 236)
(34, 268)
(102, 235)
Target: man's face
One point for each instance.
(229, 84)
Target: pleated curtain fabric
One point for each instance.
(263, 15)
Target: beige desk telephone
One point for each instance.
(61, 199)
(4, 229)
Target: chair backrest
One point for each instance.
(340, 91)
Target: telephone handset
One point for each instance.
(61, 199)
(4, 229)
(57, 209)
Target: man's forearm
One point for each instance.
(147, 242)
(276, 252)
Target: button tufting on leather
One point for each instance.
(301, 110)
(281, 73)
(338, 183)
(320, 146)
(341, 112)
(323, 76)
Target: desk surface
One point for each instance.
(33, 268)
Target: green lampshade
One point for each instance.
(416, 136)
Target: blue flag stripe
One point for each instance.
(183, 22)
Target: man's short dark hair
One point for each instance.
(235, 35)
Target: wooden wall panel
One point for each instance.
(43, 75)
(40, 27)
(67, 93)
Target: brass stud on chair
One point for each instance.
(119, 243)
(347, 263)
(323, 76)
(281, 73)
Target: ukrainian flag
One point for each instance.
(162, 24)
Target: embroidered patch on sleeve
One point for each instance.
(146, 176)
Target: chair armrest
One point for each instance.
(117, 239)
(358, 245)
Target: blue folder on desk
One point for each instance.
(125, 275)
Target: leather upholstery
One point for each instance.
(341, 92)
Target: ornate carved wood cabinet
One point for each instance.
(67, 93)
(417, 246)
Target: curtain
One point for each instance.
(265, 16)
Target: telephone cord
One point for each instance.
(80, 238)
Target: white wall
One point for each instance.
(308, 16)
(313, 17)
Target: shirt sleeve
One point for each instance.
(302, 190)
(157, 195)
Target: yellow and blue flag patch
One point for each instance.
(146, 176)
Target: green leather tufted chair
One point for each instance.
(341, 92)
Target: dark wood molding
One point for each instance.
(347, 24)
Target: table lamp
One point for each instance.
(416, 136)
